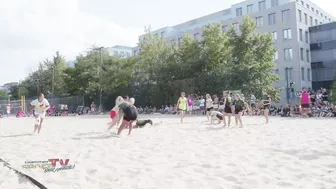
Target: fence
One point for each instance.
(16, 105)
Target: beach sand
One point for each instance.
(287, 153)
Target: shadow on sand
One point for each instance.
(90, 133)
(10, 136)
(97, 137)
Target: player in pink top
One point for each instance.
(305, 102)
(190, 103)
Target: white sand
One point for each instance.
(287, 153)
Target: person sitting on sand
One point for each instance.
(216, 115)
(142, 123)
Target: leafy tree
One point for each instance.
(3, 95)
(251, 59)
(17, 91)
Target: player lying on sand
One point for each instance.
(216, 115)
(142, 123)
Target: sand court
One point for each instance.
(287, 153)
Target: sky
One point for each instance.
(31, 31)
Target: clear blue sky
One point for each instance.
(31, 31)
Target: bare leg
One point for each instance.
(229, 120)
(224, 119)
(236, 119)
(240, 119)
(124, 123)
(182, 115)
(113, 123)
(266, 115)
(130, 127)
(40, 126)
(35, 127)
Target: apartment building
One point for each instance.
(120, 51)
(323, 50)
(287, 20)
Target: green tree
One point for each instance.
(251, 59)
(3, 95)
(17, 91)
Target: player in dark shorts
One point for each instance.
(227, 107)
(130, 115)
(142, 123)
(239, 107)
(266, 101)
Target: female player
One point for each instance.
(182, 105)
(239, 107)
(114, 112)
(216, 115)
(142, 123)
(228, 102)
(40, 106)
(266, 101)
(209, 106)
(130, 113)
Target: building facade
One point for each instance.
(287, 20)
(120, 51)
(323, 50)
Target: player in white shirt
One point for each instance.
(40, 105)
(216, 115)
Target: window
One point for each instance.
(239, 12)
(275, 56)
(285, 15)
(128, 54)
(313, 9)
(262, 5)
(325, 17)
(302, 74)
(306, 18)
(274, 3)
(162, 33)
(276, 71)
(320, 23)
(287, 34)
(274, 36)
(311, 21)
(235, 27)
(308, 74)
(225, 28)
(271, 19)
(288, 54)
(115, 53)
(259, 21)
(316, 22)
(317, 12)
(196, 36)
(307, 55)
(300, 34)
(302, 3)
(306, 37)
(301, 54)
(122, 54)
(307, 6)
(249, 9)
(179, 40)
(300, 16)
(322, 15)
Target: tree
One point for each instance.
(3, 95)
(251, 59)
(17, 91)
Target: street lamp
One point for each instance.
(99, 74)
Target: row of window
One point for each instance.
(304, 74)
(261, 6)
(121, 54)
(311, 19)
(315, 11)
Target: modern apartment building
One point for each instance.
(323, 50)
(120, 51)
(288, 22)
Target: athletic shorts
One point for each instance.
(228, 110)
(196, 107)
(305, 106)
(202, 108)
(209, 109)
(220, 117)
(238, 110)
(38, 116)
(112, 114)
(130, 113)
